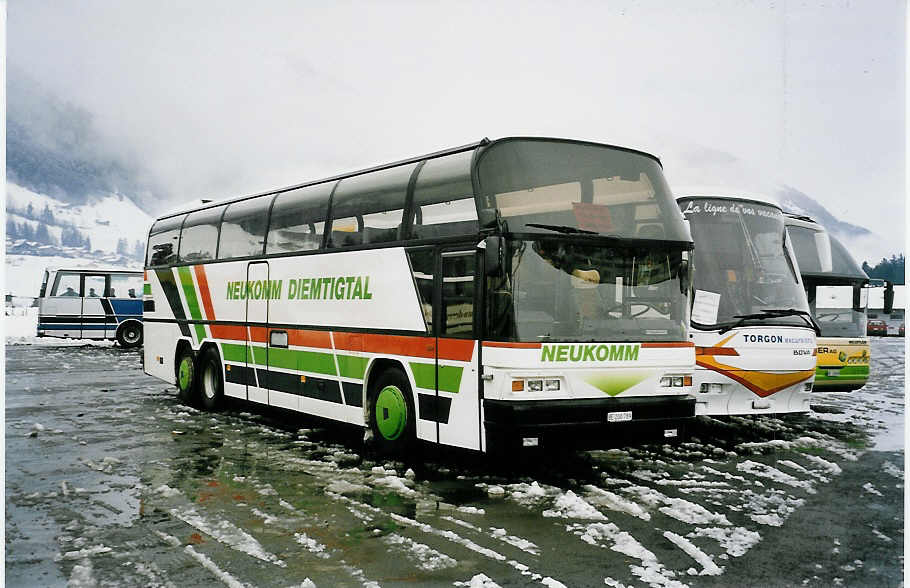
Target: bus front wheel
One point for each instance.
(391, 413)
(185, 370)
(212, 380)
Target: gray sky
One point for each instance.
(221, 98)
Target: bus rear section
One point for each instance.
(91, 303)
(413, 299)
(838, 293)
(755, 340)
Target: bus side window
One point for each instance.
(163, 240)
(423, 264)
(376, 200)
(298, 219)
(66, 285)
(94, 287)
(458, 294)
(444, 202)
(199, 236)
(243, 228)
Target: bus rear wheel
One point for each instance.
(129, 335)
(391, 413)
(185, 371)
(211, 382)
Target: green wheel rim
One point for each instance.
(185, 373)
(391, 413)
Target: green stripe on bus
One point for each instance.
(304, 361)
(189, 290)
(352, 367)
(449, 377)
(233, 352)
(200, 332)
(147, 289)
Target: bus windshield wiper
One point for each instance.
(561, 228)
(773, 313)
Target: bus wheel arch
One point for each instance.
(390, 408)
(185, 372)
(129, 334)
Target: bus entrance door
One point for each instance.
(257, 318)
(93, 314)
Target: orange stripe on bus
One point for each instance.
(204, 291)
(304, 338)
(512, 345)
(715, 351)
(259, 334)
(229, 332)
(400, 345)
(456, 349)
(667, 344)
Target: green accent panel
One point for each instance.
(200, 332)
(616, 382)
(259, 355)
(305, 361)
(189, 290)
(449, 377)
(351, 367)
(233, 352)
(146, 288)
(851, 372)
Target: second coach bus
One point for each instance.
(754, 335)
(508, 293)
(838, 298)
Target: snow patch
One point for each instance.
(709, 568)
(735, 541)
(427, 558)
(775, 475)
(570, 506)
(868, 487)
(311, 545)
(226, 533)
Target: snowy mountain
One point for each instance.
(44, 232)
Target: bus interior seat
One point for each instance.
(346, 239)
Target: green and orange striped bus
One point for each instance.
(509, 293)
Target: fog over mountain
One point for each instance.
(54, 148)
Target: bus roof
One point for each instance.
(94, 270)
(843, 267)
(691, 192)
(485, 142)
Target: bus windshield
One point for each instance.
(840, 310)
(559, 290)
(544, 186)
(743, 264)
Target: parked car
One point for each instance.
(877, 327)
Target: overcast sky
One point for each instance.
(221, 98)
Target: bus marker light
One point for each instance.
(303, 378)
(687, 380)
(760, 404)
(529, 442)
(227, 368)
(518, 385)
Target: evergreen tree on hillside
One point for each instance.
(27, 232)
(123, 246)
(30, 211)
(42, 235)
(887, 269)
(47, 216)
(12, 231)
(139, 250)
(87, 244)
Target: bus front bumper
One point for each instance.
(589, 423)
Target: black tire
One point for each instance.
(129, 334)
(211, 380)
(185, 373)
(391, 414)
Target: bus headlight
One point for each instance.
(535, 385)
(675, 381)
(551, 385)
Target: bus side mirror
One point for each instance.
(684, 276)
(161, 252)
(889, 297)
(492, 255)
(486, 218)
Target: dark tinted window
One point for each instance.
(444, 202)
(298, 219)
(376, 200)
(199, 236)
(812, 248)
(163, 240)
(243, 228)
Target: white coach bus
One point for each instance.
(754, 336)
(517, 292)
(91, 303)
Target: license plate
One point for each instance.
(618, 417)
(834, 373)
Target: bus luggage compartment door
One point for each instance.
(257, 317)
